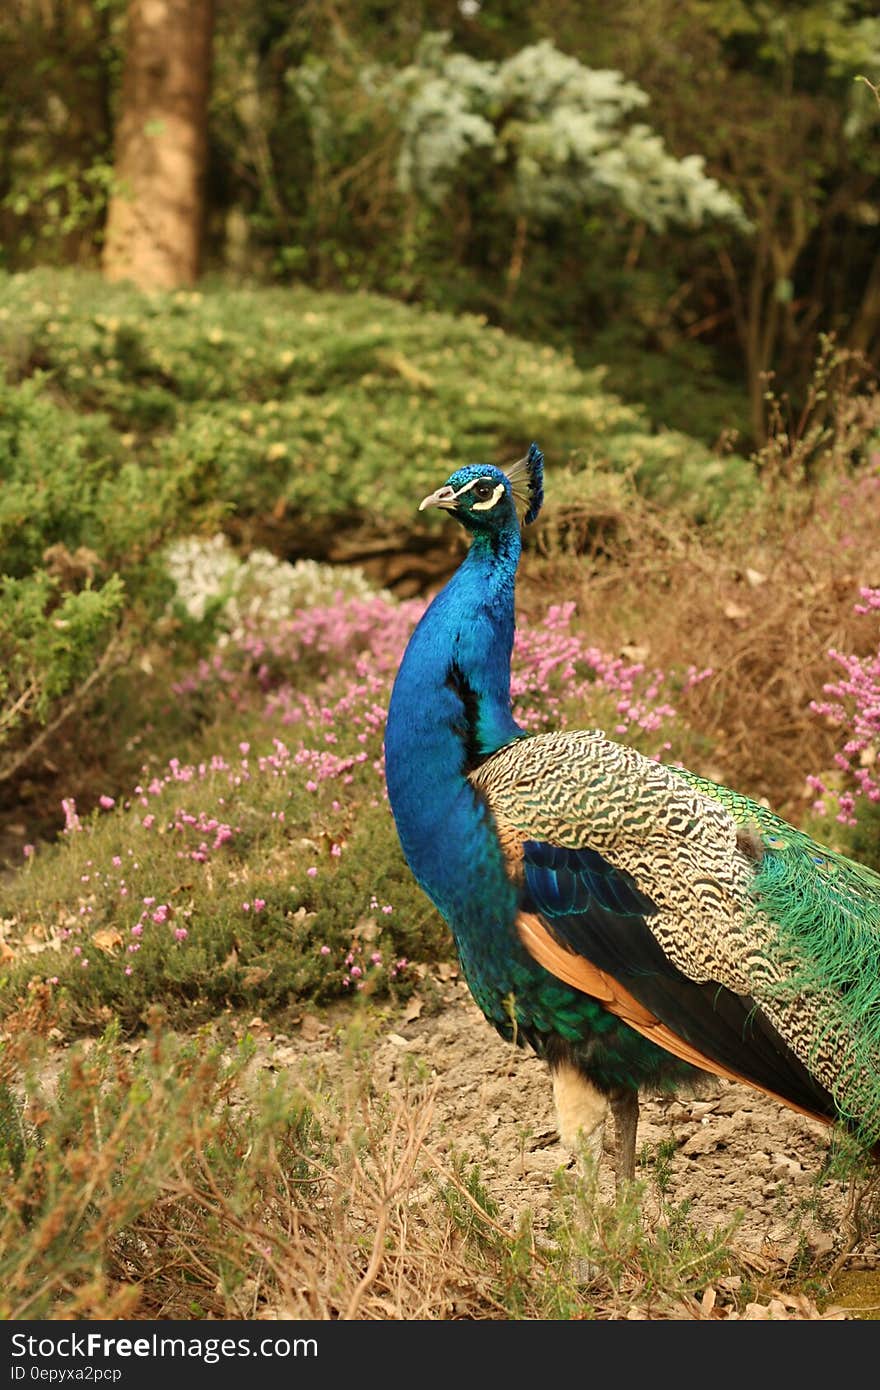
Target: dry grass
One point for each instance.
(760, 604)
(179, 1184)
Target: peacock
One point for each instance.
(636, 924)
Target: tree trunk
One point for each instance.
(154, 224)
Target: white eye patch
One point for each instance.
(473, 483)
(490, 501)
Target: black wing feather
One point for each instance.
(599, 912)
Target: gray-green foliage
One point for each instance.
(557, 127)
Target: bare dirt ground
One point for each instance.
(730, 1153)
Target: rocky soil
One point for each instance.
(731, 1154)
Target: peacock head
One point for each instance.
(484, 498)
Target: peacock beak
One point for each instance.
(444, 497)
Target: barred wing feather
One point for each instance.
(709, 924)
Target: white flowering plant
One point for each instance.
(257, 591)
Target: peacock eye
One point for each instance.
(483, 489)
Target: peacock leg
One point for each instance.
(625, 1109)
(580, 1112)
(581, 1109)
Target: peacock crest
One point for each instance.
(526, 478)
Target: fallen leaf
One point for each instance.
(755, 578)
(822, 1243)
(365, 929)
(300, 916)
(734, 612)
(311, 1027)
(107, 939)
(254, 975)
(636, 652)
(413, 1009)
(756, 1311)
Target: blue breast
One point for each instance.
(451, 705)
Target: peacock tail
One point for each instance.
(823, 916)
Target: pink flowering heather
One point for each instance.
(356, 647)
(315, 690)
(854, 706)
(553, 666)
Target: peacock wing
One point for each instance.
(640, 887)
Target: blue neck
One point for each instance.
(449, 709)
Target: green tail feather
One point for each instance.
(827, 911)
(829, 939)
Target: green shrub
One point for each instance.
(330, 405)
